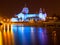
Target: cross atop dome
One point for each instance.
(25, 5)
(40, 11)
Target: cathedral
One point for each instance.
(25, 16)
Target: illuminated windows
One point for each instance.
(24, 15)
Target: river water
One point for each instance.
(28, 35)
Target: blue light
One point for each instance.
(42, 16)
(40, 30)
(14, 19)
(31, 15)
(21, 15)
(42, 36)
(25, 10)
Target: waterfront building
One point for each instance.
(24, 15)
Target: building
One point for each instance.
(25, 16)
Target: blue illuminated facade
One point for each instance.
(25, 16)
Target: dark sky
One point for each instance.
(11, 7)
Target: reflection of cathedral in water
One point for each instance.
(25, 16)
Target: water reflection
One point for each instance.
(25, 35)
(32, 35)
(54, 37)
(8, 38)
(43, 38)
(1, 38)
(4, 37)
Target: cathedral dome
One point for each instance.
(25, 10)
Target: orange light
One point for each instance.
(7, 20)
(12, 35)
(8, 37)
(0, 38)
(5, 37)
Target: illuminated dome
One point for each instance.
(25, 10)
(42, 15)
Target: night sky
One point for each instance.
(9, 8)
